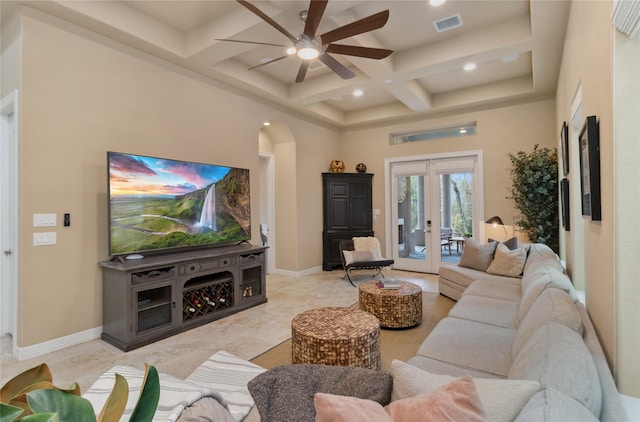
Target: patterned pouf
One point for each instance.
(395, 308)
(336, 336)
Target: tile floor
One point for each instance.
(245, 334)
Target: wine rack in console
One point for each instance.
(152, 298)
(204, 295)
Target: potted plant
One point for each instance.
(534, 189)
(32, 397)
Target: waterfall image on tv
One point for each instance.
(157, 203)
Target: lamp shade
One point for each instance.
(495, 220)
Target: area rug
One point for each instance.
(399, 344)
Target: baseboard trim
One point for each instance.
(302, 273)
(22, 353)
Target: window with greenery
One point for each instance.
(456, 193)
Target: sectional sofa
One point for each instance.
(529, 330)
(517, 346)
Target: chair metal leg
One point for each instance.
(347, 276)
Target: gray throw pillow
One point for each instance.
(477, 256)
(285, 393)
(509, 243)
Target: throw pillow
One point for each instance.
(455, 401)
(509, 243)
(507, 262)
(368, 243)
(285, 393)
(358, 256)
(477, 256)
(332, 408)
(502, 398)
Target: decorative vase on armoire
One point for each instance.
(347, 207)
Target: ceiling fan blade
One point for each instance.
(253, 42)
(269, 62)
(358, 27)
(302, 72)
(267, 19)
(336, 66)
(352, 50)
(316, 10)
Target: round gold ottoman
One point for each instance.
(336, 336)
(395, 308)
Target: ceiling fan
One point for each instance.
(309, 46)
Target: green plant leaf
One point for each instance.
(117, 401)
(534, 190)
(149, 396)
(16, 385)
(69, 407)
(9, 413)
(42, 417)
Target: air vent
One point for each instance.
(316, 64)
(448, 23)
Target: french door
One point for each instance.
(432, 204)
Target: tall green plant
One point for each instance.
(534, 189)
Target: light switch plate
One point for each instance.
(44, 239)
(44, 220)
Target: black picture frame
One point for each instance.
(564, 145)
(589, 149)
(564, 197)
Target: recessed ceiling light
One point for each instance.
(264, 60)
(470, 66)
(510, 58)
(291, 51)
(388, 81)
(436, 2)
(358, 93)
(463, 130)
(337, 98)
(266, 124)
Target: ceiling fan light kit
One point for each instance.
(308, 53)
(309, 46)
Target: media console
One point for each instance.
(158, 296)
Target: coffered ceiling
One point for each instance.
(515, 44)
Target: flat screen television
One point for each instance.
(158, 204)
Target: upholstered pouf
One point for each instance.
(395, 308)
(336, 336)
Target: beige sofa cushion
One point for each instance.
(552, 405)
(503, 313)
(502, 399)
(470, 344)
(496, 289)
(557, 357)
(551, 305)
(438, 367)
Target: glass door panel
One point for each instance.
(456, 213)
(412, 245)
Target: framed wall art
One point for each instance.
(564, 145)
(589, 149)
(564, 197)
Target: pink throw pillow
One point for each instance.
(332, 408)
(456, 401)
